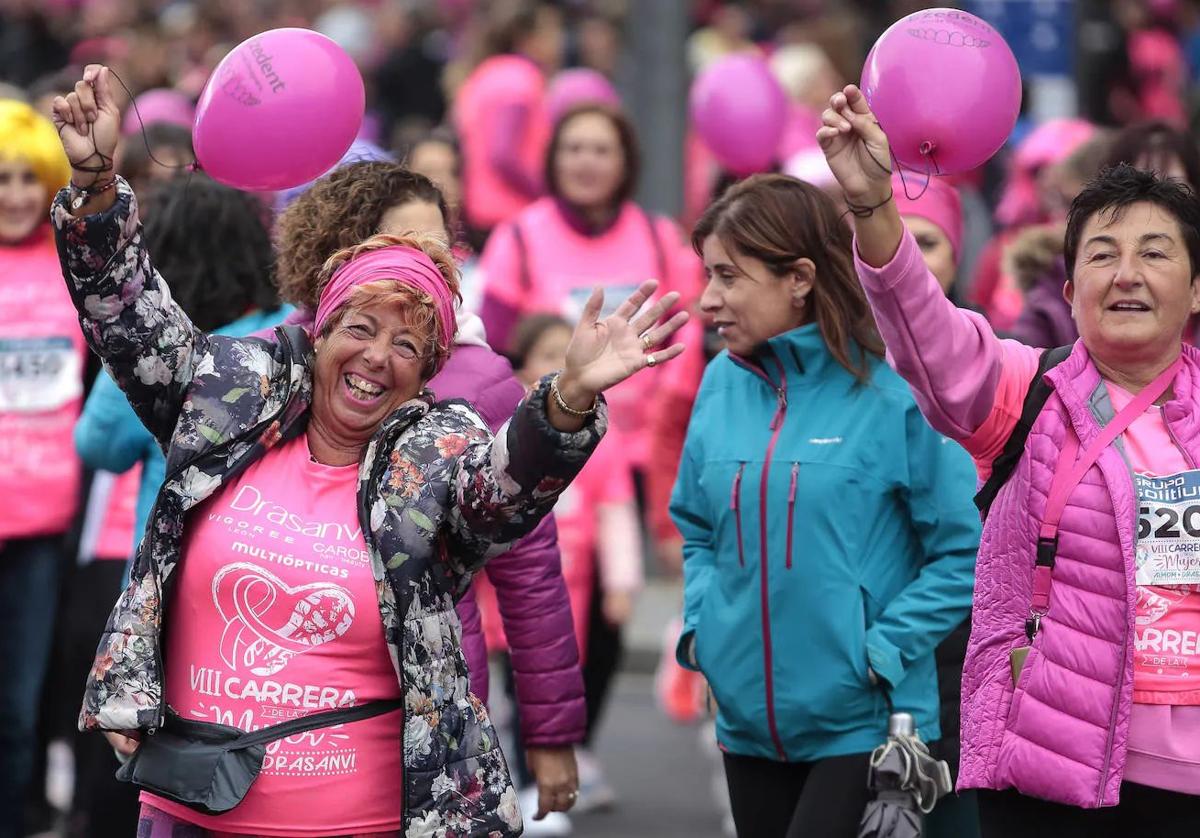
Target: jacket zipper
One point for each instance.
(764, 597)
(768, 663)
(364, 523)
(162, 594)
(735, 503)
(791, 512)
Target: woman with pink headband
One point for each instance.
(316, 493)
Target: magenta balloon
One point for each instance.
(740, 112)
(945, 87)
(279, 110)
(577, 87)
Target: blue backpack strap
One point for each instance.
(1006, 461)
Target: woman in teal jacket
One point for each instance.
(829, 538)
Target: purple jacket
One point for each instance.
(530, 589)
(1061, 733)
(1046, 319)
(528, 579)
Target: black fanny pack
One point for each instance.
(210, 767)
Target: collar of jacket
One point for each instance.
(801, 352)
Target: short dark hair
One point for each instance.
(212, 245)
(626, 135)
(1117, 188)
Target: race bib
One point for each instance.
(38, 374)
(1168, 545)
(614, 295)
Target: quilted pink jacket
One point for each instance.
(1061, 733)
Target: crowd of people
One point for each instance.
(911, 445)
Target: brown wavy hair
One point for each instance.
(339, 211)
(420, 310)
(778, 219)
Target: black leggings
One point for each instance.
(1143, 812)
(822, 799)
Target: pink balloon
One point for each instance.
(740, 111)
(945, 87)
(576, 87)
(278, 111)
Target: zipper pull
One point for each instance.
(791, 523)
(781, 410)
(737, 485)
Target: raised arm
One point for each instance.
(128, 317)
(950, 357)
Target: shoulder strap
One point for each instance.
(522, 256)
(314, 721)
(1035, 399)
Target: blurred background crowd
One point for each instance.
(474, 95)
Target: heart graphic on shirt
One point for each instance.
(1153, 605)
(267, 622)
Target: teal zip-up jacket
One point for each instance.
(829, 534)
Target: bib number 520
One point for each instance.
(1168, 522)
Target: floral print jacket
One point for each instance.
(437, 496)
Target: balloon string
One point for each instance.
(190, 167)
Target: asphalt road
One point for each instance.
(660, 772)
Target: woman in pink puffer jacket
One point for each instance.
(1081, 712)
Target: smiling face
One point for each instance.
(747, 302)
(368, 364)
(589, 162)
(22, 201)
(1133, 290)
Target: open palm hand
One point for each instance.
(605, 352)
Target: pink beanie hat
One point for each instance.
(938, 204)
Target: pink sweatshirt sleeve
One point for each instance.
(968, 383)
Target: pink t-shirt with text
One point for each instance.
(275, 616)
(1164, 729)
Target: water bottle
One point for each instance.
(901, 724)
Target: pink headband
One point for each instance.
(401, 264)
(939, 205)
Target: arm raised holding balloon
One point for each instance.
(949, 356)
(128, 316)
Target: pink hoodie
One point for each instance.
(544, 262)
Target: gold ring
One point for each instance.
(650, 360)
(646, 343)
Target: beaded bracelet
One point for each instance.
(80, 195)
